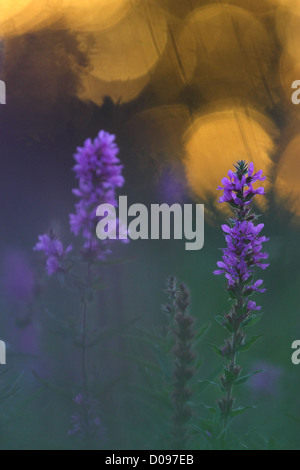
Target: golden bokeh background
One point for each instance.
(192, 84)
(228, 134)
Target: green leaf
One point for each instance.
(248, 198)
(243, 310)
(249, 343)
(274, 445)
(220, 320)
(209, 382)
(246, 377)
(211, 409)
(198, 364)
(11, 388)
(205, 425)
(108, 333)
(231, 294)
(239, 411)
(251, 321)
(4, 372)
(249, 280)
(230, 377)
(163, 363)
(52, 386)
(60, 327)
(223, 323)
(217, 350)
(202, 331)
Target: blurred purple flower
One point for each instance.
(20, 288)
(18, 277)
(86, 424)
(241, 256)
(54, 252)
(171, 187)
(244, 245)
(99, 174)
(252, 306)
(267, 381)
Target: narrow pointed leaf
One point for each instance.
(249, 343)
(246, 377)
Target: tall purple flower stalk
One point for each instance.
(241, 256)
(99, 174)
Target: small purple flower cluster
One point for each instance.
(86, 424)
(99, 173)
(236, 184)
(54, 251)
(244, 244)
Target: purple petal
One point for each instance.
(226, 229)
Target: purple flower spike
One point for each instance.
(244, 243)
(54, 252)
(86, 425)
(241, 256)
(99, 174)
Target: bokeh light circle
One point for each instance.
(287, 187)
(235, 53)
(122, 58)
(216, 140)
(94, 15)
(18, 17)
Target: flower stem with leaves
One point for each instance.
(99, 173)
(182, 331)
(241, 256)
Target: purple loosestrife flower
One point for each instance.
(241, 256)
(268, 381)
(86, 424)
(20, 287)
(99, 174)
(244, 244)
(54, 252)
(18, 277)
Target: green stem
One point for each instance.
(229, 396)
(84, 334)
(233, 360)
(84, 372)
